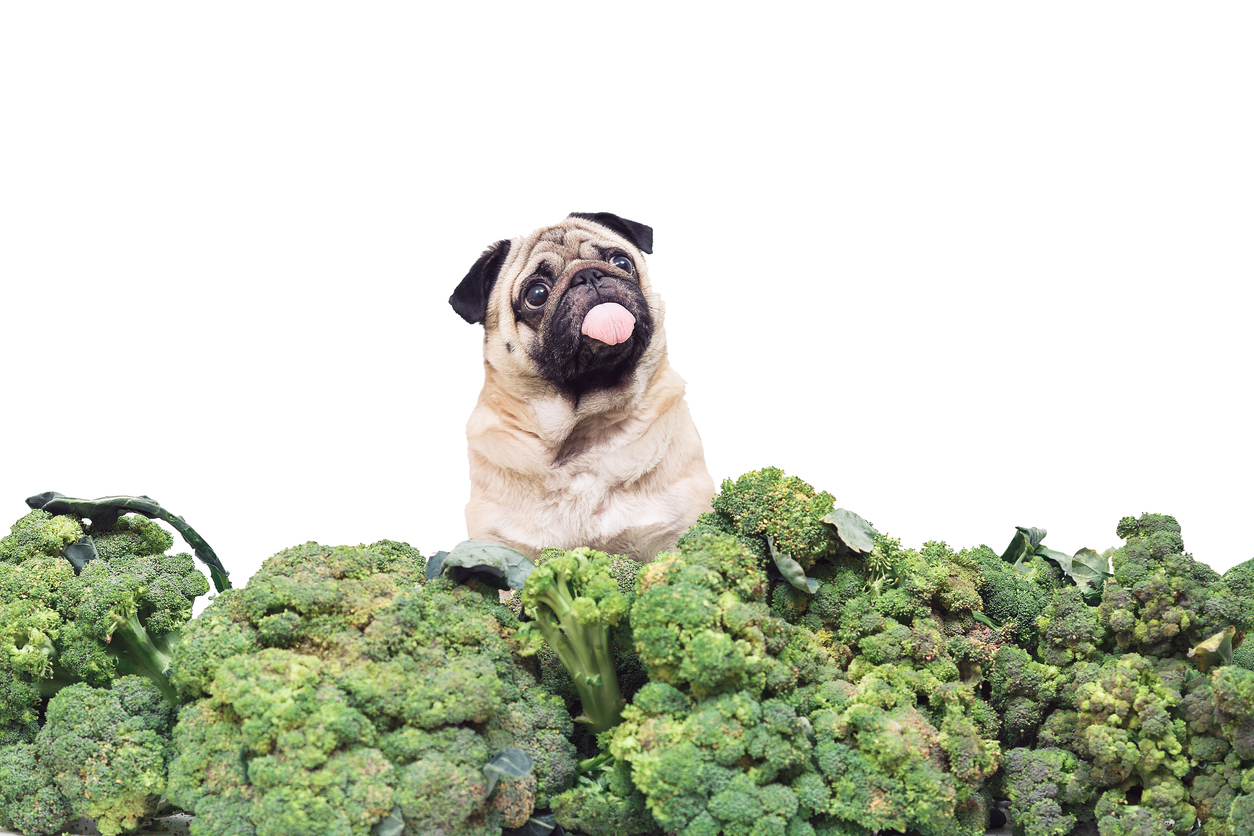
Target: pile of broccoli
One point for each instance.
(788, 670)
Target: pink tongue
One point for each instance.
(609, 322)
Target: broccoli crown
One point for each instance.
(336, 689)
(701, 622)
(767, 503)
(1013, 599)
(63, 622)
(29, 800)
(1161, 602)
(106, 750)
(1049, 794)
(1021, 689)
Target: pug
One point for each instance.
(581, 436)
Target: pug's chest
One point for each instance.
(589, 504)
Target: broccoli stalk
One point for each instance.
(139, 654)
(574, 602)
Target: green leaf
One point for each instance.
(496, 566)
(81, 552)
(104, 513)
(507, 763)
(1023, 546)
(791, 570)
(1215, 651)
(393, 825)
(1088, 564)
(855, 532)
(984, 619)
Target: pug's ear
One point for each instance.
(638, 234)
(470, 299)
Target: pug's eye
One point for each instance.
(536, 295)
(622, 262)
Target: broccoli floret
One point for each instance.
(1161, 602)
(65, 620)
(336, 690)
(1022, 689)
(575, 603)
(605, 803)
(1012, 599)
(767, 503)
(102, 754)
(700, 622)
(39, 533)
(1049, 794)
(29, 800)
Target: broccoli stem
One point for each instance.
(139, 655)
(586, 653)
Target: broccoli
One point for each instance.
(101, 754)
(336, 690)
(1161, 602)
(63, 622)
(749, 724)
(574, 602)
(767, 503)
(1049, 795)
(1013, 599)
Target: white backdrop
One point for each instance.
(967, 266)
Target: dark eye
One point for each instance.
(537, 294)
(622, 262)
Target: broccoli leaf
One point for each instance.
(1215, 651)
(81, 552)
(507, 763)
(393, 825)
(104, 512)
(791, 569)
(496, 566)
(855, 532)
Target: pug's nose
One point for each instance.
(590, 275)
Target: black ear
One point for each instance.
(470, 300)
(638, 234)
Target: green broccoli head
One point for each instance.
(701, 623)
(1049, 793)
(1161, 602)
(336, 689)
(106, 750)
(39, 533)
(768, 503)
(88, 617)
(729, 763)
(29, 799)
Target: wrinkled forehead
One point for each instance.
(557, 246)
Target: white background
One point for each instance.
(966, 265)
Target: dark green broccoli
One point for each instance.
(336, 690)
(101, 754)
(574, 602)
(66, 619)
(1161, 602)
(1022, 690)
(1013, 599)
(1049, 793)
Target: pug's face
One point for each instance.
(569, 304)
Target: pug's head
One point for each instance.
(569, 304)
